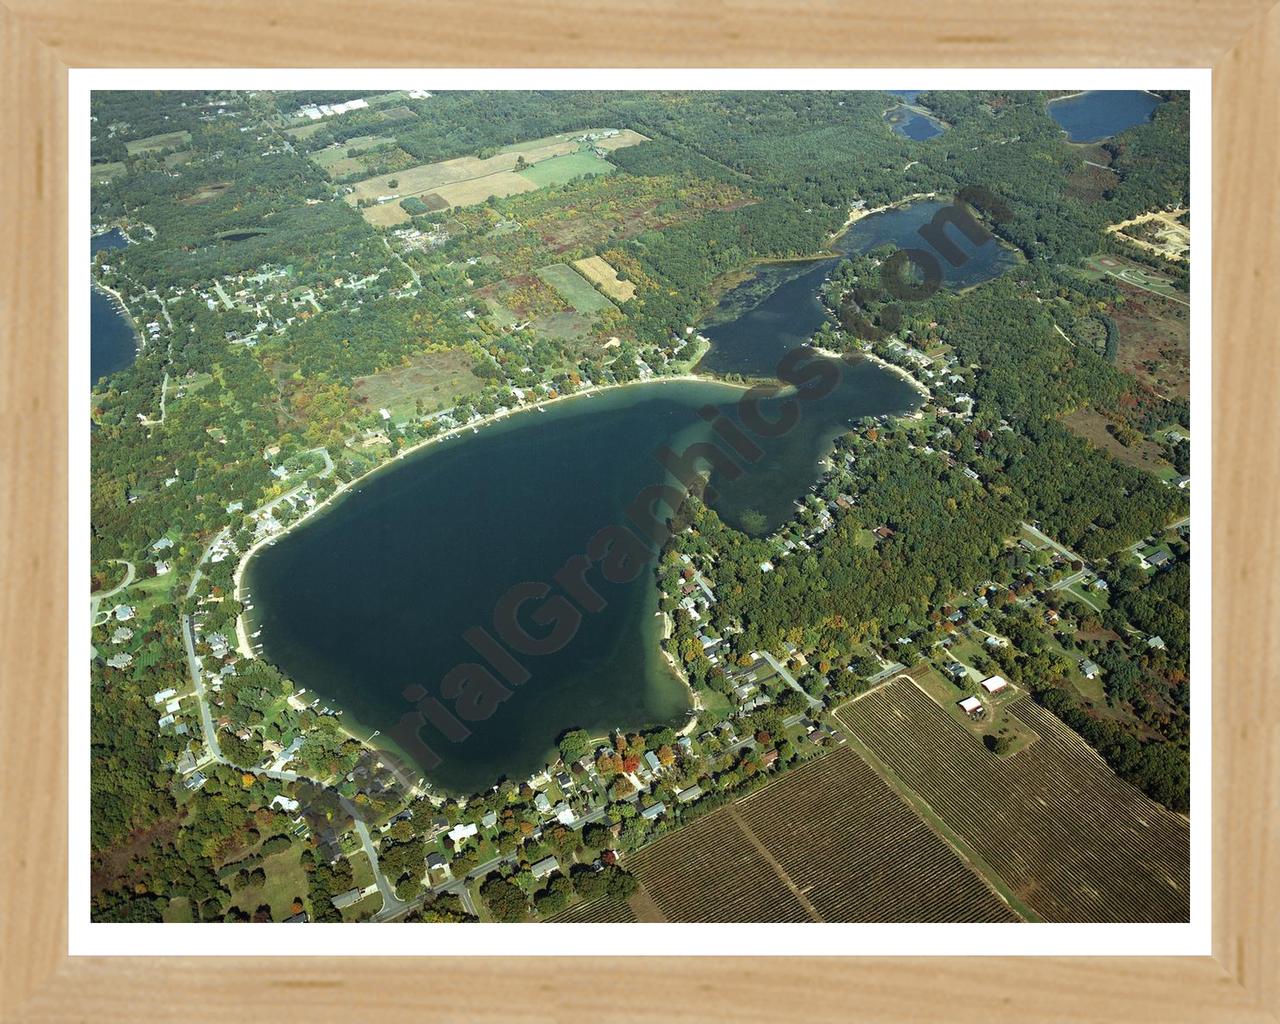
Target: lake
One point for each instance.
(374, 594)
(113, 344)
(1093, 116)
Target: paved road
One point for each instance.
(1051, 542)
(392, 905)
(197, 677)
(789, 679)
(98, 598)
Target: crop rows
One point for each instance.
(858, 853)
(1072, 840)
(604, 910)
(711, 871)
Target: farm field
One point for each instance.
(711, 871)
(437, 378)
(830, 824)
(105, 172)
(155, 143)
(560, 169)
(574, 289)
(599, 911)
(597, 271)
(812, 846)
(1061, 831)
(491, 176)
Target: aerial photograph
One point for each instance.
(639, 506)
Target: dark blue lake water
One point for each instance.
(113, 345)
(1093, 116)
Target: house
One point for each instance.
(563, 780)
(490, 819)
(685, 796)
(172, 706)
(1089, 668)
(542, 803)
(1182, 482)
(1155, 643)
(995, 642)
(655, 812)
(766, 567)
(564, 814)
(122, 612)
(957, 671)
(460, 833)
(285, 804)
(345, 899)
(544, 867)
(994, 684)
(971, 705)
(1158, 558)
(685, 744)
(164, 695)
(769, 758)
(299, 918)
(651, 759)
(195, 781)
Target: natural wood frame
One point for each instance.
(41, 39)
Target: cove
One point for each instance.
(113, 345)
(1094, 116)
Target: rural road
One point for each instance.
(391, 903)
(789, 679)
(197, 677)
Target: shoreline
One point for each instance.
(245, 648)
(902, 372)
(139, 341)
(857, 215)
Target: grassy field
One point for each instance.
(336, 160)
(1133, 274)
(560, 169)
(1092, 426)
(624, 138)
(105, 172)
(596, 270)
(286, 880)
(439, 379)
(811, 847)
(154, 143)
(574, 289)
(1056, 825)
(476, 190)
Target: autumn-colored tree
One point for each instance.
(666, 755)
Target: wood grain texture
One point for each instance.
(39, 39)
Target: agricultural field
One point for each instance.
(598, 911)
(811, 847)
(574, 289)
(596, 270)
(437, 379)
(206, 194)
(465, 180)
(830, 825)
(155, 143)
(560, 169)
(1053, 822)
(712, 871)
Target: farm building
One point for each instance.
(994, 684)
(1089, 668)
(971, 705)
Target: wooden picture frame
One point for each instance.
(41, 39)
